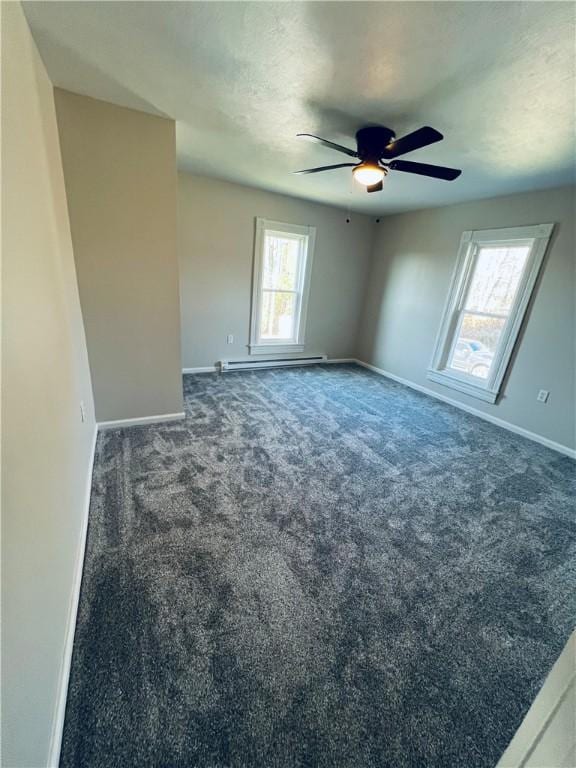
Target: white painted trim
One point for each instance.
(537, 238)
(475, 412)
(444, 378)
(58, 722)
(340, 360)
(142, 420)
(307, 235)
(202, 369)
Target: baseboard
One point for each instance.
(58, 723)
(142, 420)
(564, 449)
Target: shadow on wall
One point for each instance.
(384, 321)
(374, 315)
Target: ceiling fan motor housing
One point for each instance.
(372, 141)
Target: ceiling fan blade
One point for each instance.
(326, 168)
(329, 144)
(420, 138)
(375, 187)
(423, 169)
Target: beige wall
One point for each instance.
(120, 173)
(216, 221)
(414, 255)
(46, 448)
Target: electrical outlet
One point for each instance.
(82, 411)
(230, 339)
(543, 396)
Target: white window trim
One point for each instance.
(538, 237)
(257, 346)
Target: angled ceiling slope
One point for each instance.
(242, 79)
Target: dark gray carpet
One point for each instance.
(318, 567)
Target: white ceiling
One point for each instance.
(242, 78)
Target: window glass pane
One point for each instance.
(278, 315)
(496, 278)
(280, 269)
(476, 344)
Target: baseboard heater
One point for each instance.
(272, 362)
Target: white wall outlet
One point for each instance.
(82, 411)
(230, 339)
(543, 396)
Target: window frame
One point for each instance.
(257, 345)
(537, 237)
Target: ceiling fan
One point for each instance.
(375, 145)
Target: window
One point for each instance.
(494, 278)
(282, 266)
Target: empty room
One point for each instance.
(288, 402)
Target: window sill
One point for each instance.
(272, 349)
(481, 393)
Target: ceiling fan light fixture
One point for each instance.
(368, 174)
(376, 144)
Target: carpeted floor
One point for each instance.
(322, 568)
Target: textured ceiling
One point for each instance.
(242, 78)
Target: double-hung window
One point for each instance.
(281, 285)
(491, 287)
